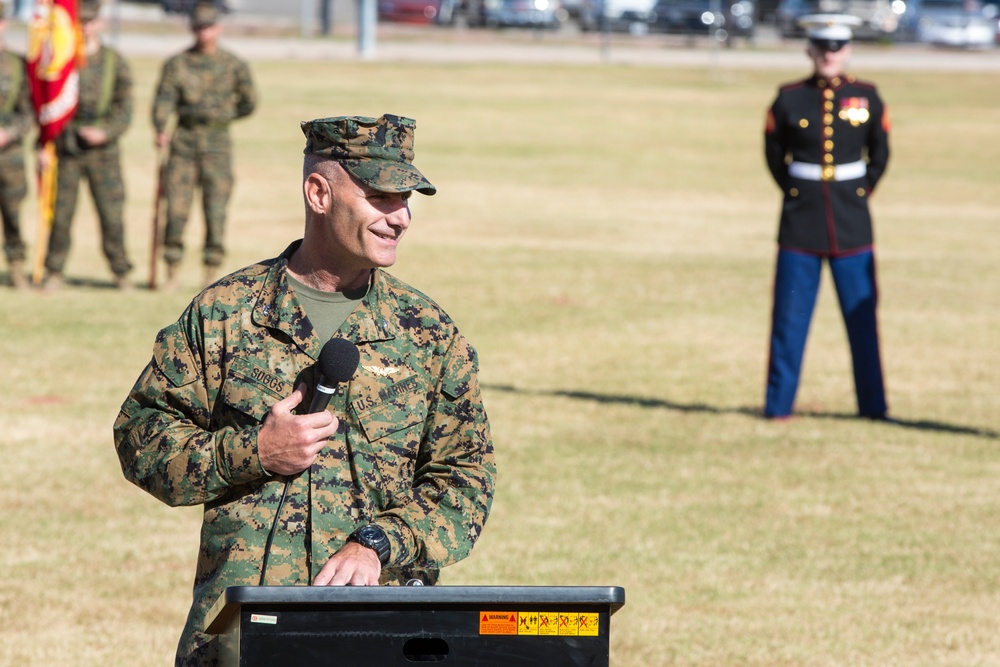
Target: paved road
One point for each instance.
(443, 45)
(593, 51)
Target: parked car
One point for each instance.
(879, 18)
(572, 7)
(955, 23)
(417, 11)
(616, 15)
(722, 18)
(991, 10)
(186, 6)
(516, 13)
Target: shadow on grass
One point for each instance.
(755, 412)
(91, 283)
(75, 283)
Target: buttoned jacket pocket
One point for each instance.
(391, 413)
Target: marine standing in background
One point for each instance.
(207, 87)
(827, 145)
(16, 119)
(88, 148)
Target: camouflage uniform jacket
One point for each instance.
(16, 111)
(413, 454)
(206, 91)
(106, 107)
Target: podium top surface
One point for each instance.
(234, 596)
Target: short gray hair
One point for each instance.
(322, 165)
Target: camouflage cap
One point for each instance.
(203, 15)
(88, 10)
(376, 151)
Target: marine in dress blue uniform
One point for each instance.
(826, 143)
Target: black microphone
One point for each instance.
(338, 361)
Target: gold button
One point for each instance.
(828, 145)
(828, 173)
(828, 119)
(803, 123)
(828, 94)
(836, 81)
(828, 158)
(794, 192)
(828, 106)
(861, 192)
(828, 131)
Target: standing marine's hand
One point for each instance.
(42, 160)
(92, 136)
(288, 443)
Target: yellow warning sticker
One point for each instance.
(588, 625)
(527, 623)
(498, 623)
(548, 624)
(568, 624)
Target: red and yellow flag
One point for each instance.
(54, 47)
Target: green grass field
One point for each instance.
(605, 236)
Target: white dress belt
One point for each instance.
(820, 172)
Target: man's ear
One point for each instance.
(316, 190)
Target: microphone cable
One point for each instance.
(338, 361)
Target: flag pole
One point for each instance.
(46, 207)
(157, 231)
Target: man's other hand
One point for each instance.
(353, 565)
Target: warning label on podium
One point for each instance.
(568, 624)
(527, 623)
(539, 623)
(588, 625)
(498, 623)
(548, 624)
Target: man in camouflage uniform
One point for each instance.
(395, 486)
(207, 87)
(15, 122)
(88, 149)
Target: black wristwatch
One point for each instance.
(374, 538)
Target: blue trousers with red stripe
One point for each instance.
(796, 284)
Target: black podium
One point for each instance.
(485, 626)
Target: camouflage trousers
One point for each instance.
(212, 172)
(102, 169)
(13, 188)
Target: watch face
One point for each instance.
(370, 534)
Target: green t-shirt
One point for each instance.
(326, 310)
